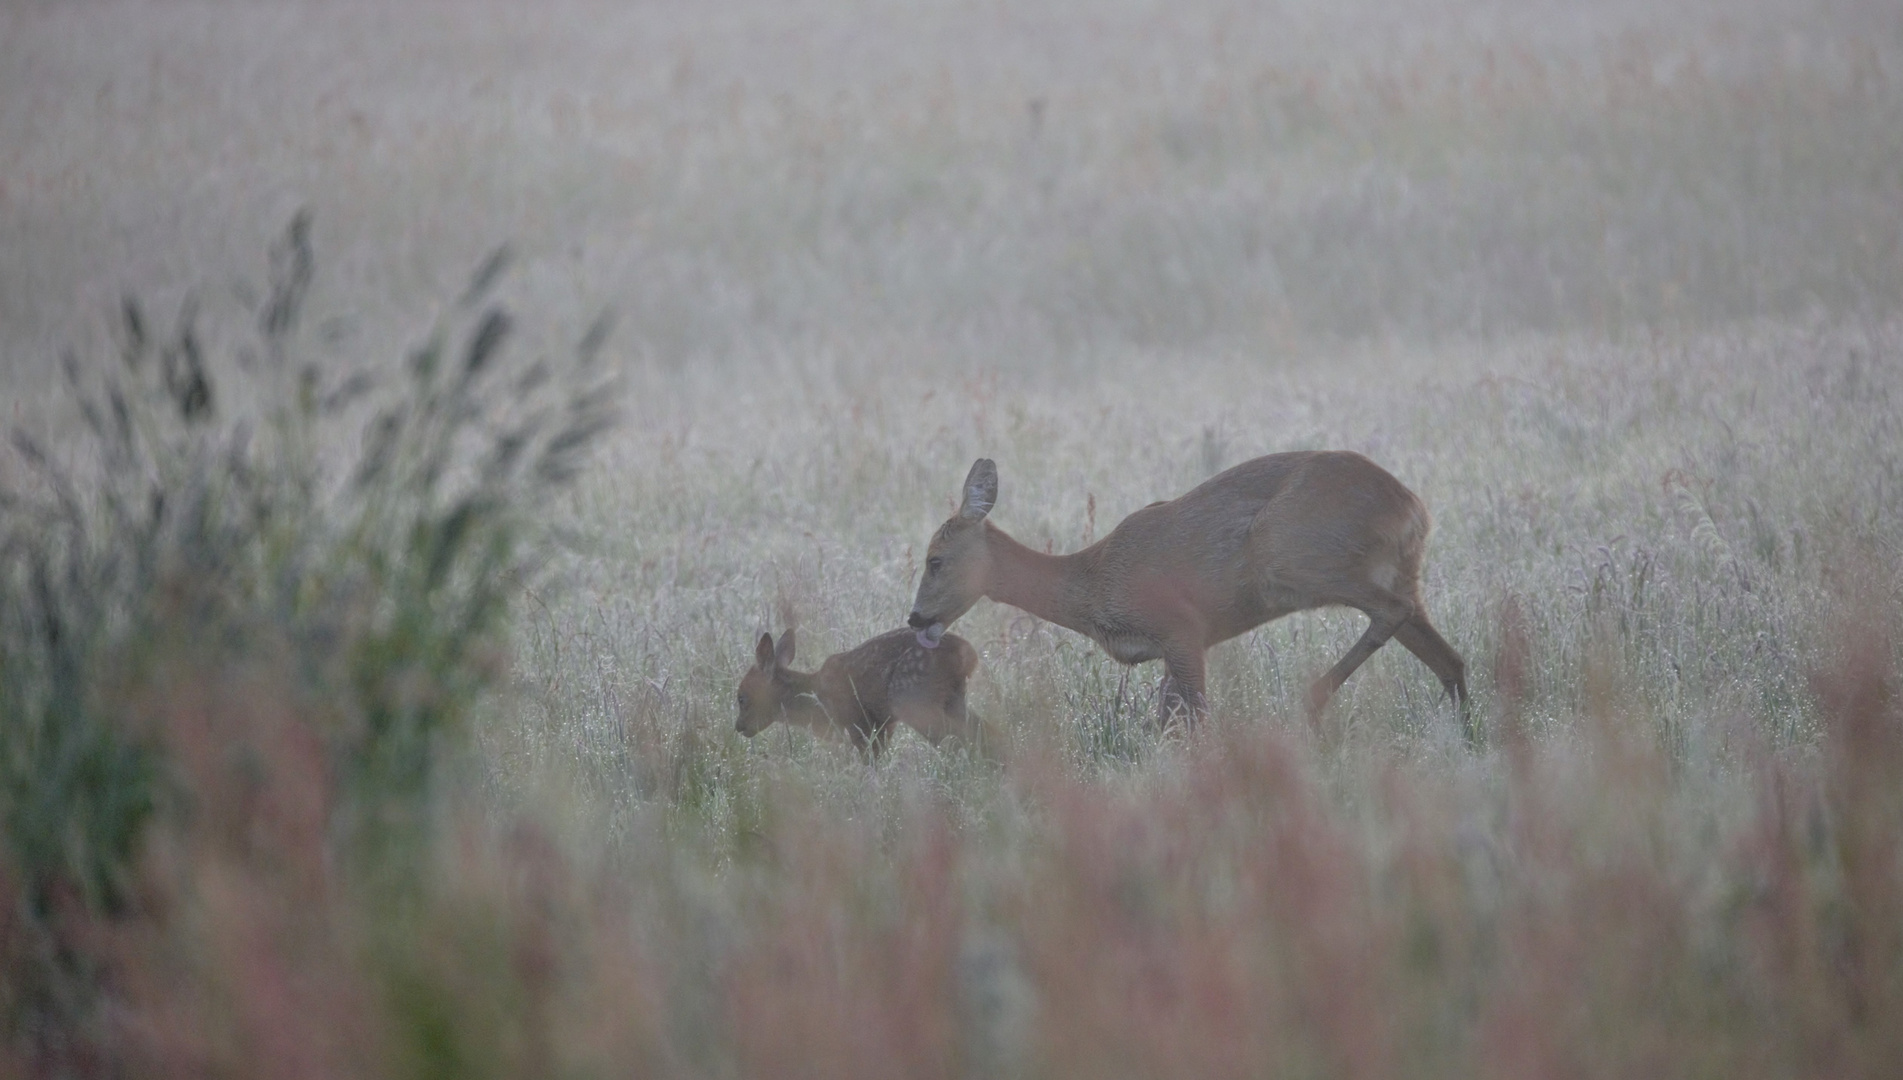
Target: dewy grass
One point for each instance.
(351, 728)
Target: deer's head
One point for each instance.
(958, 561)
(765, 688)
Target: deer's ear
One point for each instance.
(763, 653)
(981, 490)
(783, 653)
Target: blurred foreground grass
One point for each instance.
(349, 727)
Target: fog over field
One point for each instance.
(1024, 185)
(1616, 288)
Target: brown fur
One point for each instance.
(1269, 537)
(859, 693)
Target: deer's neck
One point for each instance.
(1052, 587)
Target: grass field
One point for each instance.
(384, 726)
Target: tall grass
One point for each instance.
(185, 539)
(350, 727)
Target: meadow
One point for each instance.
(417, 413)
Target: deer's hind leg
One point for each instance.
(1424, 641)
(1387, 613)
(1421, 639)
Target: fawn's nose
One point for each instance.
(917, 621)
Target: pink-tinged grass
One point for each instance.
(1215, 926)
(850, 968)
(1242, 905)
(257, 944)
(240, 954)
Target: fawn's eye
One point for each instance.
(934, 564)
(743, 701)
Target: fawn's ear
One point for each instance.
(981, 490)
(763, 653)
(783, 653)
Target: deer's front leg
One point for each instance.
(1180, 698)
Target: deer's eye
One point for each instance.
(743, 701)
(934, 564)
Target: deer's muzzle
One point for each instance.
(929, 634)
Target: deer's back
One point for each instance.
(872, 678)
(1330, 493)
(1207, 527)
(1272, 535)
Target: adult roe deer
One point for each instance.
(859, 693)
(1269, 537)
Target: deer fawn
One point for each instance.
(858, 694)
(1272, 536)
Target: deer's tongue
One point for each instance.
(929, 637)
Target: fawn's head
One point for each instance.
(958, 562)
(765, 688)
